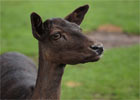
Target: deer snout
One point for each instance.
(98, 48)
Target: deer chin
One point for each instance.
(91, 59)
(95, 56)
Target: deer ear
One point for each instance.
(77, 15)
(37, 26)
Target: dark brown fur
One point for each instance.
(61, 42)
(17, 76)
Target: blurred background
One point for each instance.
(113, 22)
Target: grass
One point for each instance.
(114, 77)
(123, 13)
(16, 28)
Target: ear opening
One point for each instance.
(37, 26)
(77, 15)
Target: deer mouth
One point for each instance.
(95, 55)
(92, 58)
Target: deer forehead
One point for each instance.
(64, 24)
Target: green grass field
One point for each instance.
(123, 13)
(16, 28)
(114, 77)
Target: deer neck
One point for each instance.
(49, 78)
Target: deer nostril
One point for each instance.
(94, 47)
(98, 49)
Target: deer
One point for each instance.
(60, 42)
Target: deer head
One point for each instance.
(62, 40)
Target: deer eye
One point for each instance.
(56, 36)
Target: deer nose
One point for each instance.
(97, 48)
